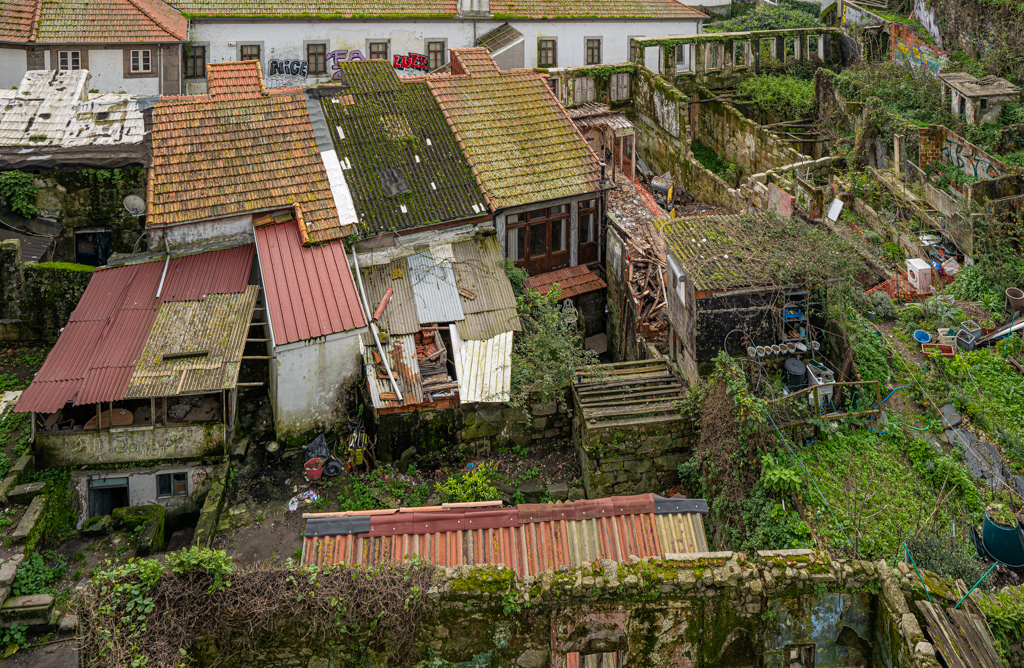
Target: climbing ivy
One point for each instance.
(19, 191)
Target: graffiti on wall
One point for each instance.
(929, 19)
(908, 48)
(412, 61)
(968, 158)
(294, 68)
(341, 56)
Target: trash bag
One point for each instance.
(318, 449)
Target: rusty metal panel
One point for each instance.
(399, 316)
(401, 352)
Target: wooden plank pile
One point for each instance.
(962, 639)
(433, 358)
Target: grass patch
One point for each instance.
(706, 156)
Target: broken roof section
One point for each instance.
(457, 281)
(529, 538)
(91, 21)
(240, 149)
(971, 86)
(600, 115)
(402, 163)
(51, 118)
(517, 137)
(501, 39)
(97, 354)
(310, 292)
(756, 252)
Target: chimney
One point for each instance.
(475, 8)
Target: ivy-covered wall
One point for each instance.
(36, 300)
(712, 609)
(92, 198)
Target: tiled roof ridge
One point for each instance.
(692, 9)
(151, 15)
(37, 11)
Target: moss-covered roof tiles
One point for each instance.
(402, 164)
(241, 149)
(322, 9)
(90, 21)
(517, 136)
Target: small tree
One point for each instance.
(548, 353)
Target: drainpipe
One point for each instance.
(373, 327)
(167, 263)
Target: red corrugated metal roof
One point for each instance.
(529, 538)
(309, 290)
(572, 281)
(96, 353)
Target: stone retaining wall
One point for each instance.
(793, 608)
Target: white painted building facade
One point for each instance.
(282, 42)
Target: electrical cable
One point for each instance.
(813, 482)
(901, 387)
(725, 341)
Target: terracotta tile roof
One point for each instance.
(575, 9)
(319, 9)
(96, 354)
(572, 281)
(242, 149)
(91, 21)
(519, 140)
(401, 161)
(310, 291)
(16, 20)
(528, 538)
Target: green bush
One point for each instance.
(18, 191)
(952, 559)
(781, 96)
(203, 560)
(516, 276)
(706, 156)
(779, 478)
(765, 17)
(469, 487)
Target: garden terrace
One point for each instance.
(720, 60)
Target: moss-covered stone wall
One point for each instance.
(709, 610)
(36, 300)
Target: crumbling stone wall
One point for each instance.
(708, 609)
(36, 300)
(631, 456)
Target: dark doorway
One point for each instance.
(107, 494)
(92, 247)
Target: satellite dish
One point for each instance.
(135, 205)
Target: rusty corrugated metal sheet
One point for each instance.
(480, 326)
(95, 356)
(484, 369)
(478, 268)
(401, 352)
(433, 285)
(310, 291)
(399, 316)
(615, 529)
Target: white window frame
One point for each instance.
(586, 50)
(146, 59)
(678, 278)
(68, 61)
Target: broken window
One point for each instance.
(393, 182)
(379, 50)
(195, 62)
(553, 85)
(435, 55)
(583, 90)
(984, 103)
(713, 56)
(587, 231)
(683, 57)
(619, 86)
(316, 58)
(812, 45)
(739, 57)
(547, 53)
(249, 52)
(172, 484)
(140, 60)
(632, 50)
(69, 60)
(593, 51)
(92, 246)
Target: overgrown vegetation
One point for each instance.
(38, 575)
(548, 353)
(787, 15)
(469, 487)
(714, 163)
(781, 97)
(135, 614)
(18, 190)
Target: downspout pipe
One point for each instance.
(167, 263)
(373, 327)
